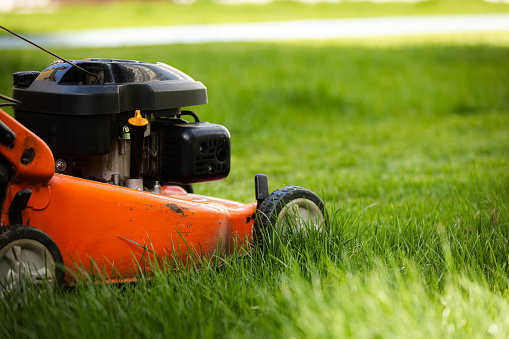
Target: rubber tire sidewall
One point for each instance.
(268, 211)
(12, 233)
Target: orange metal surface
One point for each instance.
(41, 168)
(109, 223)
(112, 224)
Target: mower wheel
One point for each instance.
(290, 208)
(28, 256)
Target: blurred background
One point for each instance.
(23, 5)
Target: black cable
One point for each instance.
(45, 50)
(12, 102)
(191, 113)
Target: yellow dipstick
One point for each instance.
(138, 120)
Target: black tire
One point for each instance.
(273, 212)
(35, 250)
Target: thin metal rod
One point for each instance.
(45, 50)
(12, 102)
(6, 98)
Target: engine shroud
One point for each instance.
(71, 110)
(83, 118)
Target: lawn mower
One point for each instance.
(97, 169)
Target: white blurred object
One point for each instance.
(261, 2)
(267, 31)
(23, 5)
(184, 2)
(6, 5)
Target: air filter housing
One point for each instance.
(192, 152)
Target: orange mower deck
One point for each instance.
(115, 226)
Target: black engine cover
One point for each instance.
(72, 111)
(191, 153)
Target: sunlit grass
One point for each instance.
(422, 280)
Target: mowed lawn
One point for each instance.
(407, 143)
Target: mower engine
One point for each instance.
(122, 124)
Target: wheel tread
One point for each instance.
(268, 210)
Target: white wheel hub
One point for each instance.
(25, 260)
(300, 214)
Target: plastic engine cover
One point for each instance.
(70, 109)
(193, 152)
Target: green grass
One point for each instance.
(156, 13)
(408, 145)
(320, 285)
